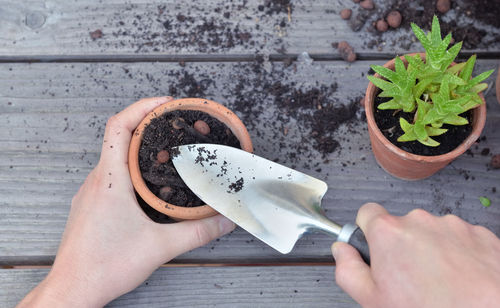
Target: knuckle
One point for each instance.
(385, 220)
(385, 224)
(369, 207)
(419, 214)
(453, 219)
(457, 224)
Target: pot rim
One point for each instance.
(479, 119)
(215, 110)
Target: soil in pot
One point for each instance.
(173, 129)
(389, 126)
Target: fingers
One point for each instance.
(352, 274)
(184, 236)
(367, 213)
(120, 127)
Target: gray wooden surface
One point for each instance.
(52, 117)
(249, 286)
(61, 27)
(52, 124)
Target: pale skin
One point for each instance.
(420, 260)
(109, 246)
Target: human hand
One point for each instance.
(109, 245)
(420, 260)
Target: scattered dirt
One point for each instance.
(236, 186)
(485, 151)
(389, 125)
(315, 112)
(276, 6)
(96, 34)
(190, 86)
(163, 133)
(303, 121)
(154, 29)
(486, 11)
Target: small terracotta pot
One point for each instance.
(402, 164)
(214, 109)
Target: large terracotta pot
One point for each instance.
(402, 164)
(214, 109)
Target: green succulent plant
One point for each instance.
(434, 91)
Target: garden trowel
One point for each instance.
(274, 203)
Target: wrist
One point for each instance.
(61, 290)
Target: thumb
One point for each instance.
(352, 274)
(184, 236)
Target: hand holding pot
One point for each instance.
(420, 260)
(110, 246)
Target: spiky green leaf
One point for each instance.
(429, 142)
(454, 119)
(392, 104)
(433, 131)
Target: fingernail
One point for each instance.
(168, 98)
(225, 225)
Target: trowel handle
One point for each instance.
(353, 235)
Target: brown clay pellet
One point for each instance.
(202, 127)
(351, 57)
(343, 45)
(381, 25)
(166, 192)
(345, 13)
(96, 34)
(394, 19)
(367, 4)
(443, 6)
(346, 51)
(495, 162)
(162, 156)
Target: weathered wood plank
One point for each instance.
(52, 117)
(284, 286)
(59, 27)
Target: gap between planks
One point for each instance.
(209, 58)
(176, 265)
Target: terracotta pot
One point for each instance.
(497, 85)
(402, 164)
(214, 109)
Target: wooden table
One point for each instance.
(58, 85)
